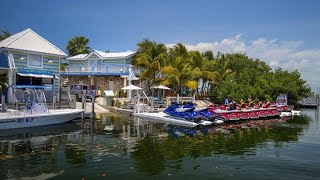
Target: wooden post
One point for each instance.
(151, 103)
(93, 99)
(194, 98)
(3, 104)
(134, 105)
(138, 103)
(178, 100)
(16, 104)
(54, 102)
(167, 102)
(83, 105)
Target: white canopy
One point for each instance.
(160, 87)
(131, 87)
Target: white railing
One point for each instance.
(110, 68)
(69, 96)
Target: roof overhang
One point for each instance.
(35, 75)
(36, 52)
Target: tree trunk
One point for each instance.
(203, 83)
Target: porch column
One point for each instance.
(11, 77)
(124, 83)
(10, 74)
(91, 80)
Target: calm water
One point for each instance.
(125, 148)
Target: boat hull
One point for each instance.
(8, 121)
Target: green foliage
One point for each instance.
(182, 71)
(255, 78)
(4, 35)
(78, 45)
(151, 58)
(62, 66)
(235, 76)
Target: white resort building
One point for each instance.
(101, 70)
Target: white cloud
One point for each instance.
(277, 53)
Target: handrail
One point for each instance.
(69, 96)
(145, 96)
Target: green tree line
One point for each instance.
(234, 76)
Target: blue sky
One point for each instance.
(284, 33)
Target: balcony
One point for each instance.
(97, 70)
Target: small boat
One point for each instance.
(233, 115)
(17, 119)
(189, 112)
(35, 114)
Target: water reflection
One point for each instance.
(132, 146)
(151, 153)
(31, 151)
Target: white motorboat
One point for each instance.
(17, 119)
(36, 114)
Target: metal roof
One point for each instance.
(103, 55)
(28, 40)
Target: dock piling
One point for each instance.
(83, 106)
(3, 104)
(93, 99)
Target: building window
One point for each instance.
(35, 60)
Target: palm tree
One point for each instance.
(179, 50)
(180, 73)
(209, 73)
(151, 57)
(78, 45)
(199, 63)
(221, 70)
(208, 55)
(5, 34)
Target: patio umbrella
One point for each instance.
(131, 87)
(161, 87)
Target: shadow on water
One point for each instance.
(126, 146)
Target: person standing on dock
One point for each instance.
(226, 102)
